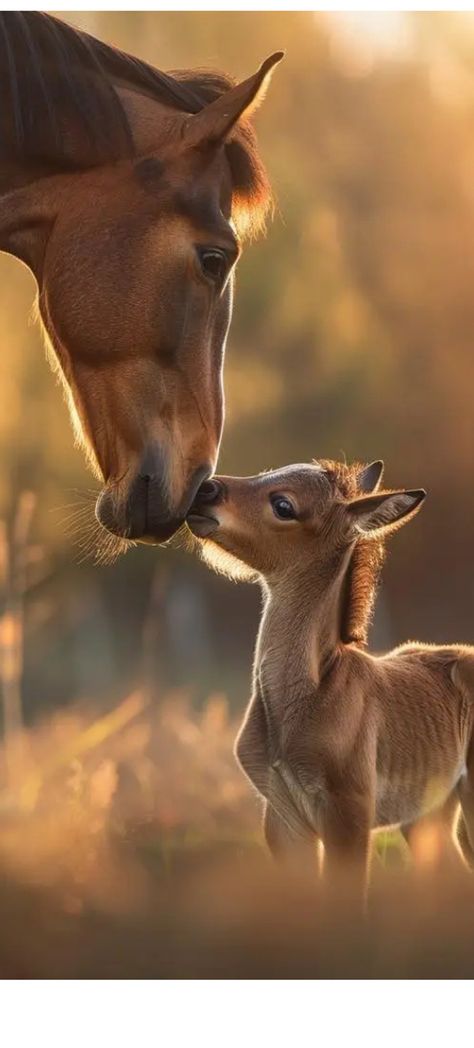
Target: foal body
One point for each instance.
(339, 742)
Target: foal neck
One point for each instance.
(300, 630)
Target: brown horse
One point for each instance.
(128, 192)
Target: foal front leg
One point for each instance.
(299, 852)
(346, 832)
(287, 834)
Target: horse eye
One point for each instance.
(213, 264)
(283, 508)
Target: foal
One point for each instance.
(338, 742)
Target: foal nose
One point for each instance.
(210, 493)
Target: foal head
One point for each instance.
(301, 520)
(134, 257)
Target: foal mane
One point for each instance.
(57, 82)
(364, 569)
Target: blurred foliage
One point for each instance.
(352, 335)
(129, 848)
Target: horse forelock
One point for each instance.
(53, 76)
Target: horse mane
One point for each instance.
(54, 78)
(365, 566)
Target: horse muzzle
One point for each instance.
(144, 513)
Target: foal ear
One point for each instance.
(214, 123)
(370, 476)
(384, 512)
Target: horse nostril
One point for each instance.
(209, 492)
(152, 466)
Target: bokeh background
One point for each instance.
(122, 686)
(353, 335)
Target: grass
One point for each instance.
(138, 854)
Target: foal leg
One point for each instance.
(432, 838)
(346, 832)
(466, 852)
(465, 791)
(297, 851)
(287, 834)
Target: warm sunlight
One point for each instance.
(372, 35)
(132, 841)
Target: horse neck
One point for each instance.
(300, 630)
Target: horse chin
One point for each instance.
(136, 528)
(164, 534)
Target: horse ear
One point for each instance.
(214, 123)
(369, 478)
(384, 512)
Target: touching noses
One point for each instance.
(210, 493)
(150, 511)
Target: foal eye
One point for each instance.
(283, 508)
(214, 264)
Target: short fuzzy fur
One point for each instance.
(128, 193)
(53, 76)
(337, 741)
